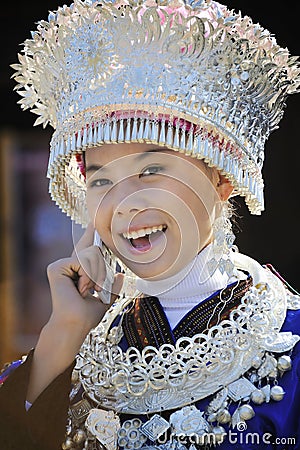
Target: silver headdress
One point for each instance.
(190, 75)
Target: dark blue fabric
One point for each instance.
(276, 425)
(280, 419)
(9, 370)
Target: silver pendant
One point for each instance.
(236, 419)
(267, 392)
(277, 393)
(280, 342)
(256, 362)
(223, 416)
(155, 427)
(219, 433)
(130, 436)
(268, 366)
(104, 425)
(284, 363)
(80, 411)
(258, 397)
(218, 402)
(188, 420)
(240, 388)
(246, 412)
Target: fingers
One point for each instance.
(91, 271)
(86, 240)
(87, 269)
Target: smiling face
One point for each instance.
(152, 207)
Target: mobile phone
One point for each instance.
(105, 293)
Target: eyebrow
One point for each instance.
(94, 168)
(139, 157)
(142, 155)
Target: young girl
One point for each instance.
(162, 335)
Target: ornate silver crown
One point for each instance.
(191, 75)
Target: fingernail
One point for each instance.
(83, 291)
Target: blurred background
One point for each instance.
(33, 230)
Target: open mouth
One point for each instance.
(143, 239)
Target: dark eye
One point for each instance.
(151, 170)
(100, 182)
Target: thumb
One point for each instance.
(86, 240)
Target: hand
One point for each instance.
(72, 280)
(74, 312)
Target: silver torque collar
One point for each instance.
(171, 377)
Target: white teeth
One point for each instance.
(143, 232)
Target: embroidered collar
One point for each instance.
(147, 324)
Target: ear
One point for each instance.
(224, 187)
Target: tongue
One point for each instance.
(141, 242)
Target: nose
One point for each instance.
(128, 199)
(130, 204)
(125, 211)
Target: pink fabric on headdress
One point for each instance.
(141, 114)
(81, 164)
(118, 115)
